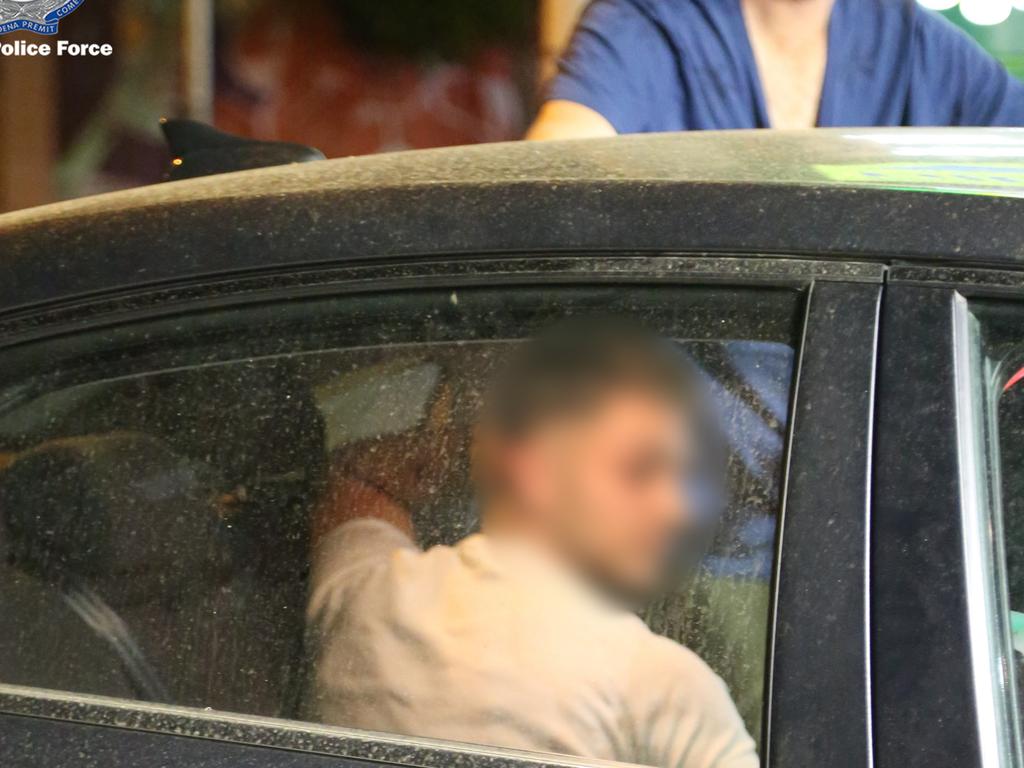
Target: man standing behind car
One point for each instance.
(522, 636)
(640, 66)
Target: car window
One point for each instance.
(157, 479)
(995, 334)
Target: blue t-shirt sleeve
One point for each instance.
(979, 90)
(620, 63)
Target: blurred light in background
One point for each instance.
(998, 25)
(984, 13)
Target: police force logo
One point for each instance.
(39, 16)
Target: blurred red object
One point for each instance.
(295, 79)
(1015, 379)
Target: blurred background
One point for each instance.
(346, 76)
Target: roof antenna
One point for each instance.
(198, 149)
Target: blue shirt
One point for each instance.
(671, 65)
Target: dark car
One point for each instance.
(180, 362)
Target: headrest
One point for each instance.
(119, 510)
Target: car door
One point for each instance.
(945, 527)
(160, 453)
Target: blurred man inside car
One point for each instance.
(522, 635)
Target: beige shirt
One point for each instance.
(492, 643)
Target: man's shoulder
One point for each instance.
(653, 661)
(950, 52)
(662, 655)
(668, 677)
(933, 32)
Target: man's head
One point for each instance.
(586, 443)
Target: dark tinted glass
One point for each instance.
(157, 478)
(998, 389)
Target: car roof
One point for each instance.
(942, 195)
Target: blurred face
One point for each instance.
(607, 488)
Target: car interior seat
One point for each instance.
(217, 604)
(86, 522)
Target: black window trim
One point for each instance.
(34, 323)
(851, 278)
(930, 648)
(950, 291)
(972, 282)
(823, 565)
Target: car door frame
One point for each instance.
(934, 647)
(822, 554)
(820, 635)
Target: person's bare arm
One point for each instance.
(560, 119)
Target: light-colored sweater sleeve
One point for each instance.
(683, 716)
(342, 559)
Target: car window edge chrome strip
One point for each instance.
(869, 478)
(981, 602)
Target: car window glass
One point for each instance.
(157, 480)
(997, 331)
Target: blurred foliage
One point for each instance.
(446, 29)
(1004, 41)
(1015, 63)
(434, 29)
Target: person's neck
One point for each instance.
(513, 528)
(789, 23)
(789, 39)
(498, 521)
(515, 534)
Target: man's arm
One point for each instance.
(561, 119)
(619, 75)
(354, 528)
